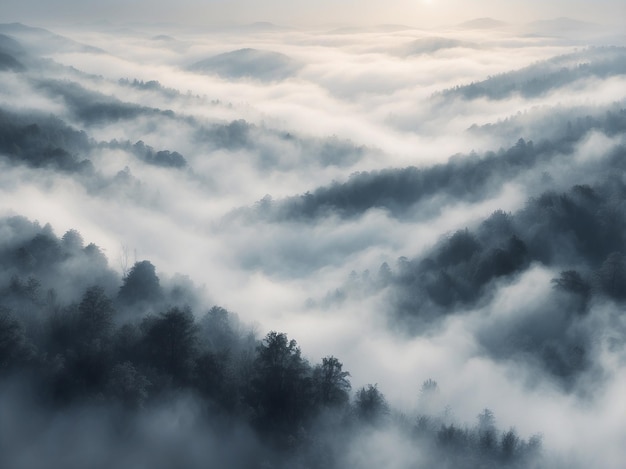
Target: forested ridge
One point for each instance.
(77, 336)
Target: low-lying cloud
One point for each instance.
(421, 205)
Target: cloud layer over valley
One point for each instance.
(444, 211)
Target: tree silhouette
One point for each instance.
(330, 382)
(216, 330)
(128, 385)
(72, 241)
(169, 343)
(280, 386)
(612, 276)
(95, 315)
(370, 404)
(15, 348)
(509, 444)
(141, 284)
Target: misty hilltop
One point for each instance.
(430, 45)
(43, 41)
(562, 25)
(482, 23)
(249, 63)
(255, 246)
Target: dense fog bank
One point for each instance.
(264, 246)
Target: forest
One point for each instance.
(257, 246)
(76, 338)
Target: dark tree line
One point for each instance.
(479, 446)
(92, 107)
(122, 344)
(465, 177)
(579, 233)
(543, 77)
(10, 49)
(164, 158)
(48, 142)
(41, 141)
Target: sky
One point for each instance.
(422, 13)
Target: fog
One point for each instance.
(422, 204)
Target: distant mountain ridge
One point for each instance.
(10, 46)
(257, 64)
(8, 62)
(378, 28)
(482, 23)
(44, 41)
(562, 22)
(562, 26)
(429, 45)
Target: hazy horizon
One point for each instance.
(416, 13)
